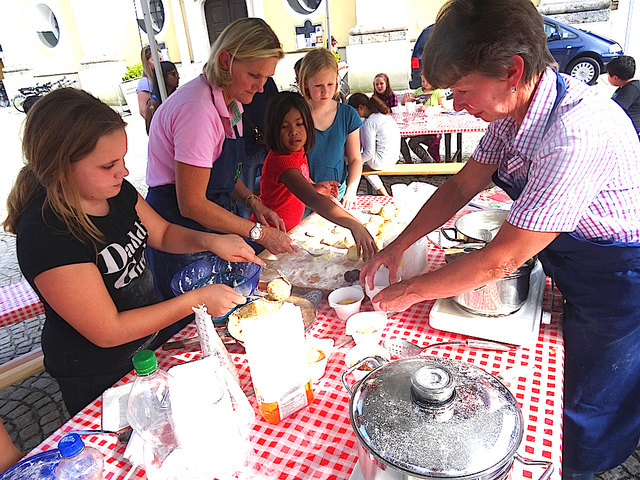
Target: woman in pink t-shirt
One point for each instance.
(196, 150)
(285, 185)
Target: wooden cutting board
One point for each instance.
(307, 272)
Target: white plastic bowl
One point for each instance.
(366, 326)
(380, 282)
(341, 294)
(361, 351)
(325, 345)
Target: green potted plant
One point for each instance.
(129, 84)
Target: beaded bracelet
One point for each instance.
(249, 197)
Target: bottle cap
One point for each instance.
(145, 362)
(70, 445)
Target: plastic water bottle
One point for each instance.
(78, 461)
(149, 411)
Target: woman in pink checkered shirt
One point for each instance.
(568, 156)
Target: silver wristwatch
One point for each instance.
(256, 232)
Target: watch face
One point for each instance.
(256, 232)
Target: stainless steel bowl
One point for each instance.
(480, 226)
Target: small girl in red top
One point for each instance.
(285, 186)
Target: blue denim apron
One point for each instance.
(600, 282)
(222, 181)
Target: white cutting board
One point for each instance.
(519, 328)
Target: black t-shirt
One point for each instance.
(628, 97)
(256, 111)
(43, 243)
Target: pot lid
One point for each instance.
(434, 417)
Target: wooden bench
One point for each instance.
(417, 169)
(19, 302)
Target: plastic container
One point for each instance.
(366, 326)
(380, 282)
(78, 462)
(149, 412)
(346, 301)
(277, 355)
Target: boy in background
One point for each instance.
(621, 71)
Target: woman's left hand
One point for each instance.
(266, 216)
(397, 297)
(234, 249)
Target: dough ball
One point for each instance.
(279, 289)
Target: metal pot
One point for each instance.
(435, 418)
(499, 297)
(480, 226)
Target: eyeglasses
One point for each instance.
(175, 73)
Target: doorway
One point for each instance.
(220, 13)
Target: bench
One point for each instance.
(19, 302)
(416, 169)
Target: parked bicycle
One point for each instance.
(29, 95)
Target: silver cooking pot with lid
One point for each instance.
(435, 418)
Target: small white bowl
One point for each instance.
(380, 282)
(344, 311)
(364, 350)
(324, 345)
(366, 326)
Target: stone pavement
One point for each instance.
(33, 409)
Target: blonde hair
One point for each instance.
(314, 62)
(145, 55)
(245, 39)
(62, 128)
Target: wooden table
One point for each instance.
(318, 442)
(421, 123)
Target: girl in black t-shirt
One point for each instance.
(81, 234)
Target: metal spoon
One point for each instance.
(487, 234)
(402, 348)
(313, 254)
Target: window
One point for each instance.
(304, 7)
(156, 9)
(47, 26)
(567, 34)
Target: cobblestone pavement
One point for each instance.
(33, 409)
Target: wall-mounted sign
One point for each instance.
(309, 35)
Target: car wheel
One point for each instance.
(586, 69)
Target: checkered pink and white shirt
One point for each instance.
(579, 168)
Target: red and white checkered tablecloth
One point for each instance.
(317, 442)
(419, 123)
(18, 302)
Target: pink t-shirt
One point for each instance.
(188, 128)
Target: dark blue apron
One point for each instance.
(600, 282)
(222, 181)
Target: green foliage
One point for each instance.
(133, 72)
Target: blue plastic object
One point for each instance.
(70, 445)
(41, 466)
(243, 277)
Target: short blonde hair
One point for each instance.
(245, 39)
(314, 62)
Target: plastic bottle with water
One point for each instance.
(79, 462)
(149, 412)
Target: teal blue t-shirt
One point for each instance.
(326, 158)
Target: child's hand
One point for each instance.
(365, 243)
(408, 97)
(233, 248)
(329, 188)
(219, 299)
(349, 200)
(266, 216)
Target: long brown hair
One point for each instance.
(62, 128)
(373, 104)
